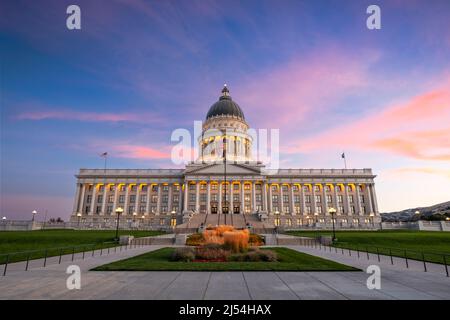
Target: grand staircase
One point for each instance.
(239, 221)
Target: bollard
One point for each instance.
(108, 250)
(357, 251)
(93, 249)
(60, 254)
(28, 260)
(73, 253)
(101, 250)
(45, 259)
(6, 265)
(390, 253)
(342, 250)
(378, 254)
(424, 263)
(367, 251)
(84, 249)
(446, 267)
(406, 260)
(349, 253)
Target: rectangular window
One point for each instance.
(352, 209)
(340, 198)
(154, 209)
(214, 197)
(175, 208)
(112, 187)
(141, 209)
(328, 188)
(319, 209)
(100, 199)
(132, 199)
(285, 198)
(235, 186)
(176, 198)
(361, 198)
(133, 187)
(297, 209)
(101, 188)
(350, 199)
(295, 188)
(305, 188)
(109, 209)
(154, 199)
(308, 210)
(247, 198)
(111, 198)
(341, 209)
(203, 197)
(214, 186)
(192, 197)
(258, 197)
(329, 198)
(275, 188)
(154, 188)
(143, 198)
(318, 199)
(98, 209)
(164, 209)
(299, 222)
(121, 198)
(165, 198)
(235, 197)
(246, 186)
(88, 208)
(144, 188)
(274, 198)
(122, 188)
(258, 186)
(308, 199)
(286, 209)
(296, 199)
(276, 209)
(288, 222)
(316, 188)
(165, 188)
(89, 199)
(203, 186)
(162, 222)
(192, 187)
(176, 187)
(247, 209)
(258, 207)
(363, 210)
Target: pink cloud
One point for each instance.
(87, 116)
(139, 152)
(417, 128)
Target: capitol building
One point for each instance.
(226, 186)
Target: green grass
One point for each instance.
(289, 260)
(18, 244)
(432, 243)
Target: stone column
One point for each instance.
(149, 190)
(369, 197)
(281, 199)
(336, 205)
(105, 195)
(254, 196)
(77, 199)
(230, 209)
(242, 197)
(292, 199)
(93, 200)
(185, 199)
(127, 192)
(158, 203)
(358, 200)
(325, 203)
(169, 204)
(302, 200)
(180, 198)
(219, 209)
(346, 200)
(81, 202)
(264, 196)
(208, 197)
(313, 202)
(116, 198)
(270, 199)
(197, 197)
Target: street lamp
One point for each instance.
(143, 217)
(79, 218)
(4, 219)
(316, 214)
(119, 211)
(332, 211)
(134, 218)
(33, 212)
(371, 215)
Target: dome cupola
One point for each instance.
(225, 107)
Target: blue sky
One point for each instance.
(137, 70)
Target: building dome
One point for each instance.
(225, 106)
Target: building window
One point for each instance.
(276, 209)
(110, 198)
(173, 222)
(288, 222)
(355, 221)
(175, 208)
(247, 209)
(133, 187)
(328, 188)
(165, 187)
(109, 209)
(274, 198)
(258, 186)
(284, 188)
(344, 221)
(340, 199)
(89, 199)
(285, 198)
(101, 188)
(297, 209)
(361, 188)
(154, 209)
(308, 210)
(361, 198)
(141, 209)
(319, 209)
(192, 187)
(130, 209)
(214, 197)
(165, 198)
(121, 198)
(295, 188)
(100, 199)
(352, 209)
(318, 199)
(246, 186)
(164, 209)
(299, 222)
(132, 199)
(122, 188)
(341, 209)
(338, 188)
(98, 209)
(143, 199)
(154, 199)
(144, 188)
(349, 188)
(112, 187)
(203, 197)
(192, 197)
(305, 188)
(277, 222)
(203, 186)
(363, 210)
(274, 188)
(176, 187)
(329, 198)
(214, 186)
(286, 209)
(162, 221)
(246, 197)
(350, 199)
(321, 220)
(316, 188)
(296, 199)
(154, 188)
(258, 207)
(235, 186)
(235, 197)
(176, 198)
(308, 199)
(258, 197)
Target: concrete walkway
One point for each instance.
(50, 283)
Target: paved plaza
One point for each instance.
(397, 282)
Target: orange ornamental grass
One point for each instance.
(237, 240)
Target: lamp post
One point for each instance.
(142, 218)
(119, 211)
(33, 212)
(79, 218)
(3, 218)
(371, 215)
(134, 218)
(332, 211)
(316, 215)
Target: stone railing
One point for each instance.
(130, 172)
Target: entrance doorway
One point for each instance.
(236, 209)
(225, 209)
(214, 209)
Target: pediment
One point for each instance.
(218, 169)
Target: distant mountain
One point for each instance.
(435, 212)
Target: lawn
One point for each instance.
(52, 240)
(433, 244)
(289, 260)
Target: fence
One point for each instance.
(403, 254)
(61, 253)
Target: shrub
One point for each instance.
(255, 240)
(211, 253)
(237, 241)
(183, 254)
(254, 256)
(195, 239)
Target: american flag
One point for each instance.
(104, 154)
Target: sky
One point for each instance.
(137, 70)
